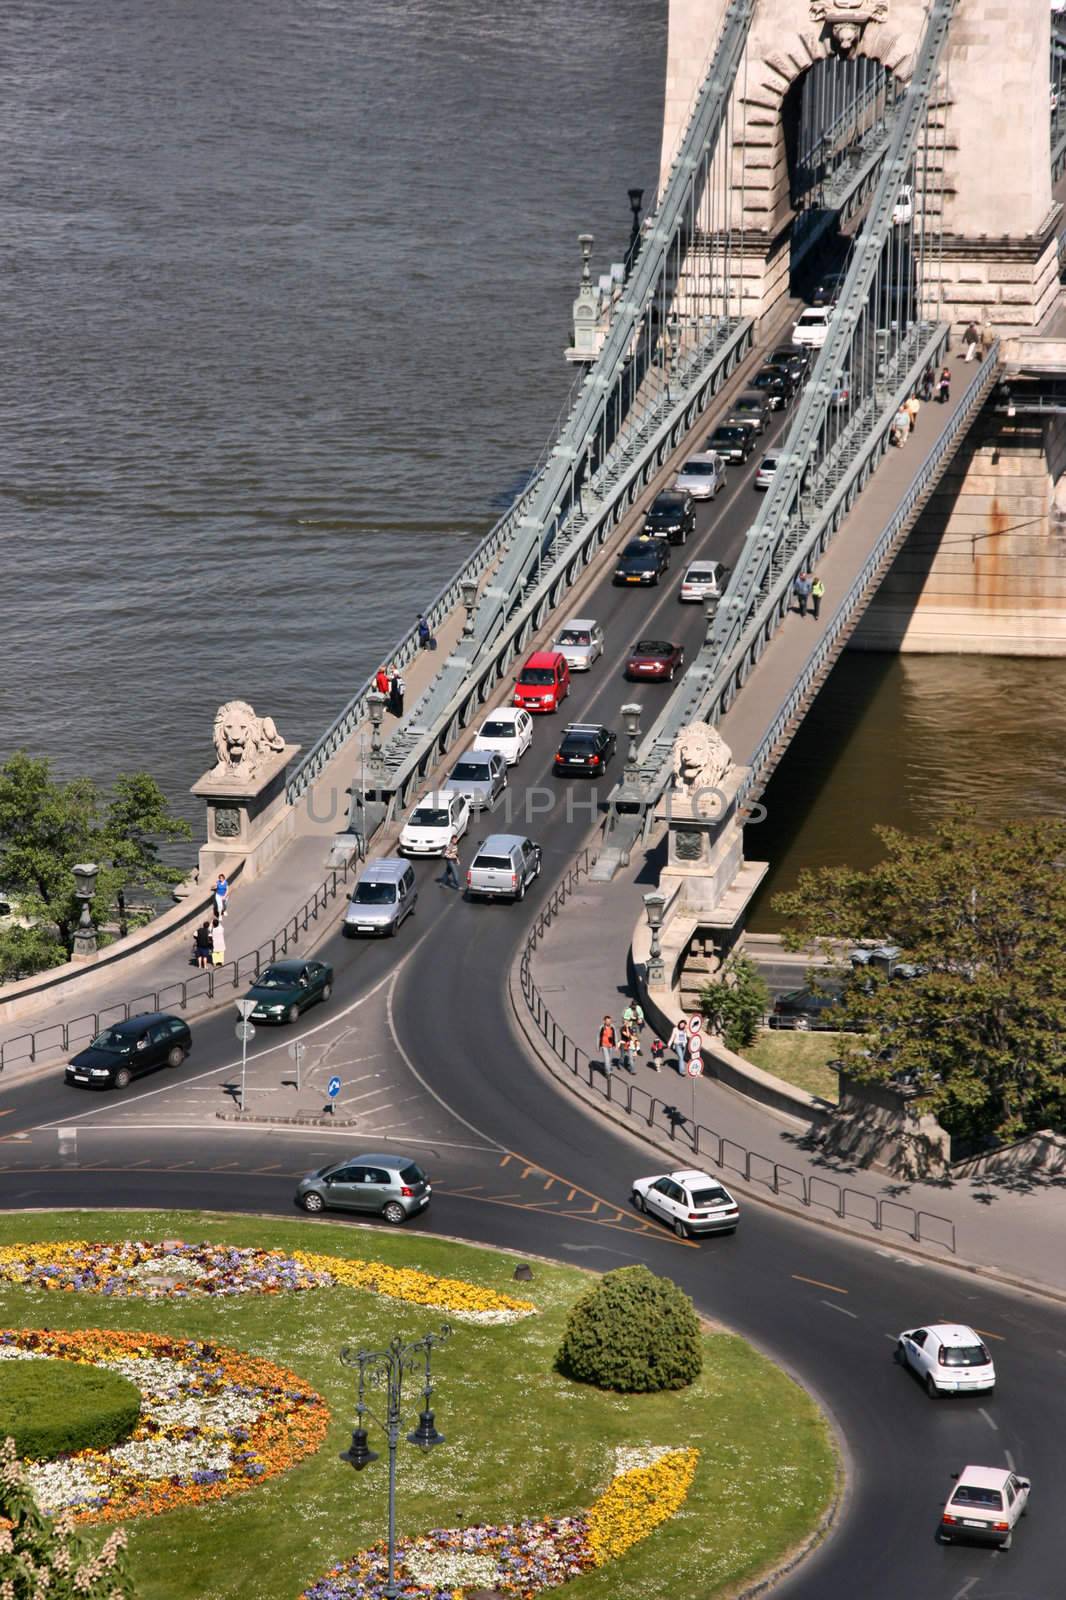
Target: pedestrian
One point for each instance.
(630, 1046)
(971, 339)
(802, 590)
(425, 638)
(928, 383)
(221, 895)
(218, 943)
(988, 335)
(678, 1043)
(607, 1043)
(634, 1016)
(901, 426)
(396, 694)
(817, 591)
(912, 408)
(202, 946)
(381, 681)
(451, 879)
(943, 387)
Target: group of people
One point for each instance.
(808, 591)
(625, 1040)
(393, 688)
(209, 945)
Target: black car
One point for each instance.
(671, 516)
(807, 1008)
(793, 359)
(776, 386)
(827, 289)
(732, 440)
(288, 987)
(643, 560)
(585, 749)
(127, 1049)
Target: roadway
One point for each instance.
(423, 1020)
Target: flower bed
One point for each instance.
(175, 1270)
(213, 1422)
(523, 1558)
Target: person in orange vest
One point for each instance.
(607, 1044)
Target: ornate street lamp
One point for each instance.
(376, 702)
(654, 907)
(636, 203)
(631, 715)
(469, 589)
(85, 875)
(384, 1370)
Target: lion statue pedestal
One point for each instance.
(248, 817)
(706, 834)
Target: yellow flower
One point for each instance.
(635, 1503)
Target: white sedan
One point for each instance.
(984, 1506)
(509, 731)
(434, 820)
(949, 1358)
(691, 1202)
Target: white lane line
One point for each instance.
(891, 1337)
(1010, 1459)
(273, 1129)
(842, 1309)
(960, 1594)
(992, 1423)
(367, 1094)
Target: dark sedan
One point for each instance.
(807, 1008)
(776, 386)
(671, 516)
(655, 660)
(733, 441)
(584, 750)
(793, 359)
(288, 987)
(643, 561)
(126, 1049)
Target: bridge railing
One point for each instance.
(658, 1114)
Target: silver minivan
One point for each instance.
(505, 865)
(383, 897)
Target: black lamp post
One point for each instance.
(636, 203)
(384, 1370)
(85, 875)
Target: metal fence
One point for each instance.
(191, 995)
(693, 1138)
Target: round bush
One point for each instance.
(53, 1407)
(633, 1332)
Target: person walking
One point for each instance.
(396, 694)
(425, 638)
(928, 383)
(901, 426)
(202, 946)
(912, 408)
(218, 943)
(678, 1043)
(221, 895)
(607, 1043)
(630, 1046)
(802, 590)
(817, 592)
(451, 879)
(634, 1016)
(381, 682)
(971, 339)
(943, 387)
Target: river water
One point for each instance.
(286, 286)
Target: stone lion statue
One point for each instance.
(243, 741)
(701, 757)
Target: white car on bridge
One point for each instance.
(435, 820)
(812, 329)
(508, 730)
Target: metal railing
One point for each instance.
(192, 995)
(694, 1138)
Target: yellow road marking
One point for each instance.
(1000, 1337)
(818, 1284)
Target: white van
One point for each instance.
(812, 329)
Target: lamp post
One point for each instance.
(385, 1370)
(376, 703)
(631, 715)
(469, 590)
(85, 875)
(636, 202)
(654, 906)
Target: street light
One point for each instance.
(85, 875)
(469, 589)
(385, 1369)
(376, 703)
(631, 715)
(654, 907)
(636, 202)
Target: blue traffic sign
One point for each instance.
(333, 1088)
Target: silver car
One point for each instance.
(393, 1187)
(505, 865)
(383, 898)
(702, 476)
(765, 474)
(579, 642)
(480, 775)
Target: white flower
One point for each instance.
(451, 1569)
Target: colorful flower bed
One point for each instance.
(175, 1270)
(213, 1422)
(523, 1558)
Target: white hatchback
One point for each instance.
(434, 820)
(984, 1506)
(704, 580)
(508, 731)
(812, 329)
(949, 1358)
(691, 1202)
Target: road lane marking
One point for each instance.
(990, 1420)
(961, 1594)
(986, 1335)
(818, 1284)
(854, 1315)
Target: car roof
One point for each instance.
(585, 728)
(984, 1477)
(702, 566)
(578, 622)
(500, 843)
(643, 547)
(542, 658)
(504, 714)
(385, 870)
(669, 497)
(286, 966)
(375, 1156)
(140, 1019)
(703, 457)
(693, 1175)
(434, 798)
(484, 756)
(647, 645)
(953, 1333)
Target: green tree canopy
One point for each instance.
(736, 1002)
(46, 826)
(981, 1028)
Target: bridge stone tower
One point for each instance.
(999, 258)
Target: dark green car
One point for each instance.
(286, 988)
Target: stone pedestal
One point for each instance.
(248, 818)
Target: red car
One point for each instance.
(543, 683)
(655, 659)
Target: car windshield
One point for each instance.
(471, 769)
(748, 405)
(639, 553)
(412, 1174)
(652, 647)
(430, 817)
(727, 433)
(498, 730)
(964, 1355)
(968, 1494)
(273, 978)
(812, 319)
(700, 469)
(374, 894)
(538, 675)
(713, 1195)
(699, 575)
(769, 464)
(494, 863)
(574, 636)
(110, 1039)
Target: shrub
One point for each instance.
(633, 1332)
(43, 1556)
(736, 1004)
(52, 1407)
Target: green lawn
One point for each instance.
(800, 1058)
(520, 1439)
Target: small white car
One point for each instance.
(949, 1358)
(704, 580)
(508, 731)
(765, 474)
(903, 210)
(435, 819)
(702, 476)
(691, 1202)
(812, 329)
(579, 642)
(984, 1506)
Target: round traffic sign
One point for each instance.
(695, 1022)
(245, 1031)
(333, 1088)
(694, 1067)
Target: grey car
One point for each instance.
(480, 775)
(505, 865)
(393, 1187)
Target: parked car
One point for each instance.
(702, 476)
(508, 730)
(749, 408)
(127, 1049)
(655, 660)
(584, 749)
(949, 1358)
(393, 1187)
(543, 683)
(643, 561)
(580, 642)
(435, 820)
(806, 1008)
(704, 580)
(288, 987)
(732, 440)
(480, 775)
(812, 329)
(383, 898)
(505, 865)
(764, 476)
(691, 1202)
(776, 386)
(671, 516)
(985, 1506)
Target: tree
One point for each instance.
(42, 1558)
(981, 1025)
(632, 1332)
(737, 1002)
(46, 827)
